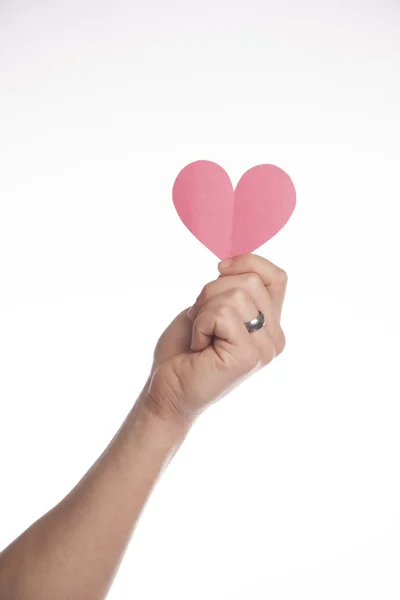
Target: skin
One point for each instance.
(75, 549)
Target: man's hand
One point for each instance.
(207, 351)
(74, 550)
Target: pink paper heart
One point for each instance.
(231, 222)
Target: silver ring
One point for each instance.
(256, 323)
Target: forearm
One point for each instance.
(75, 549)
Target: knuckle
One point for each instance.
(253, 281)
(281, 276)
(225, 312)
(206, 292)
(238, 295)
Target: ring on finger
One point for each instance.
(257, 323)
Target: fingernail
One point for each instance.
(225, 264)
(189, 312)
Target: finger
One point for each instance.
(238, 298)
(244, 306)
(223, 322)
(253, 287)
(274, 278)
(232, 342)
(250, 282)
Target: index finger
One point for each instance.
(274, 278)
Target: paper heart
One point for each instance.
(231, 222)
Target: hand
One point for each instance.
(207, 351)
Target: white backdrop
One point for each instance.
(290, 487)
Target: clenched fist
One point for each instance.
(207, 351)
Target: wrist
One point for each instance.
(168, 424)
(169, 410)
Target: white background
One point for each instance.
(290, 487)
